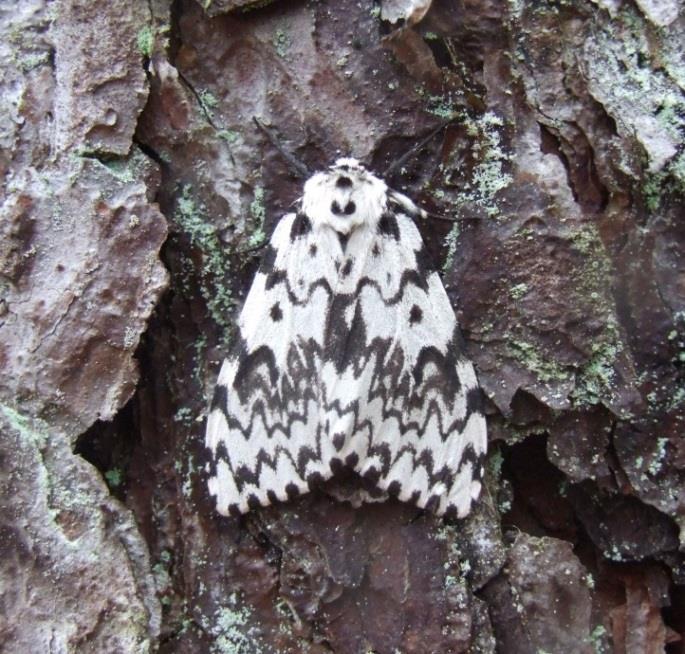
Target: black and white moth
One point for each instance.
(349, 356)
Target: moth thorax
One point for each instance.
(344, 197)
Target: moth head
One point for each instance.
(344, 197)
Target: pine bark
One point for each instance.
(135, 187)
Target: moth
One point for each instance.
(349, 356)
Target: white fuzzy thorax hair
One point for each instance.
(344, 197)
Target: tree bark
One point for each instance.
(136, 186)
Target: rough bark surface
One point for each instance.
(131, 165)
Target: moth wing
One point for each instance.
(263, 430)
(428, 435)
(347, 361)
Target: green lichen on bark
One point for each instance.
(234, 629)
(596, 378)
(535, 359)
(145, 40)
(258, 214)
(214, 272)
(32, 430)
(489, 174)
(638, 75)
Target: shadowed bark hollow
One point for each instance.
(135, 187)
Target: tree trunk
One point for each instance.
(136, 186)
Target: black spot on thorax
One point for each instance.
(348, 210)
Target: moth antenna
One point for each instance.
(397, 164)
(437, 216)
(401, 202)
(298, 166)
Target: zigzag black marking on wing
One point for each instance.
(384, 371)
(250, 475)
(409, 276)
(382, 450)
(360, 429)
(248, 362)
(469, 455)
(245, 475)
(446, 363)
(423, 459)
(284, 427)
(269, 394)
(418, 276)
(388, 389)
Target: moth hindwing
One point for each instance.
(348, 356)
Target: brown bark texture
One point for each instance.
(135, 187)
